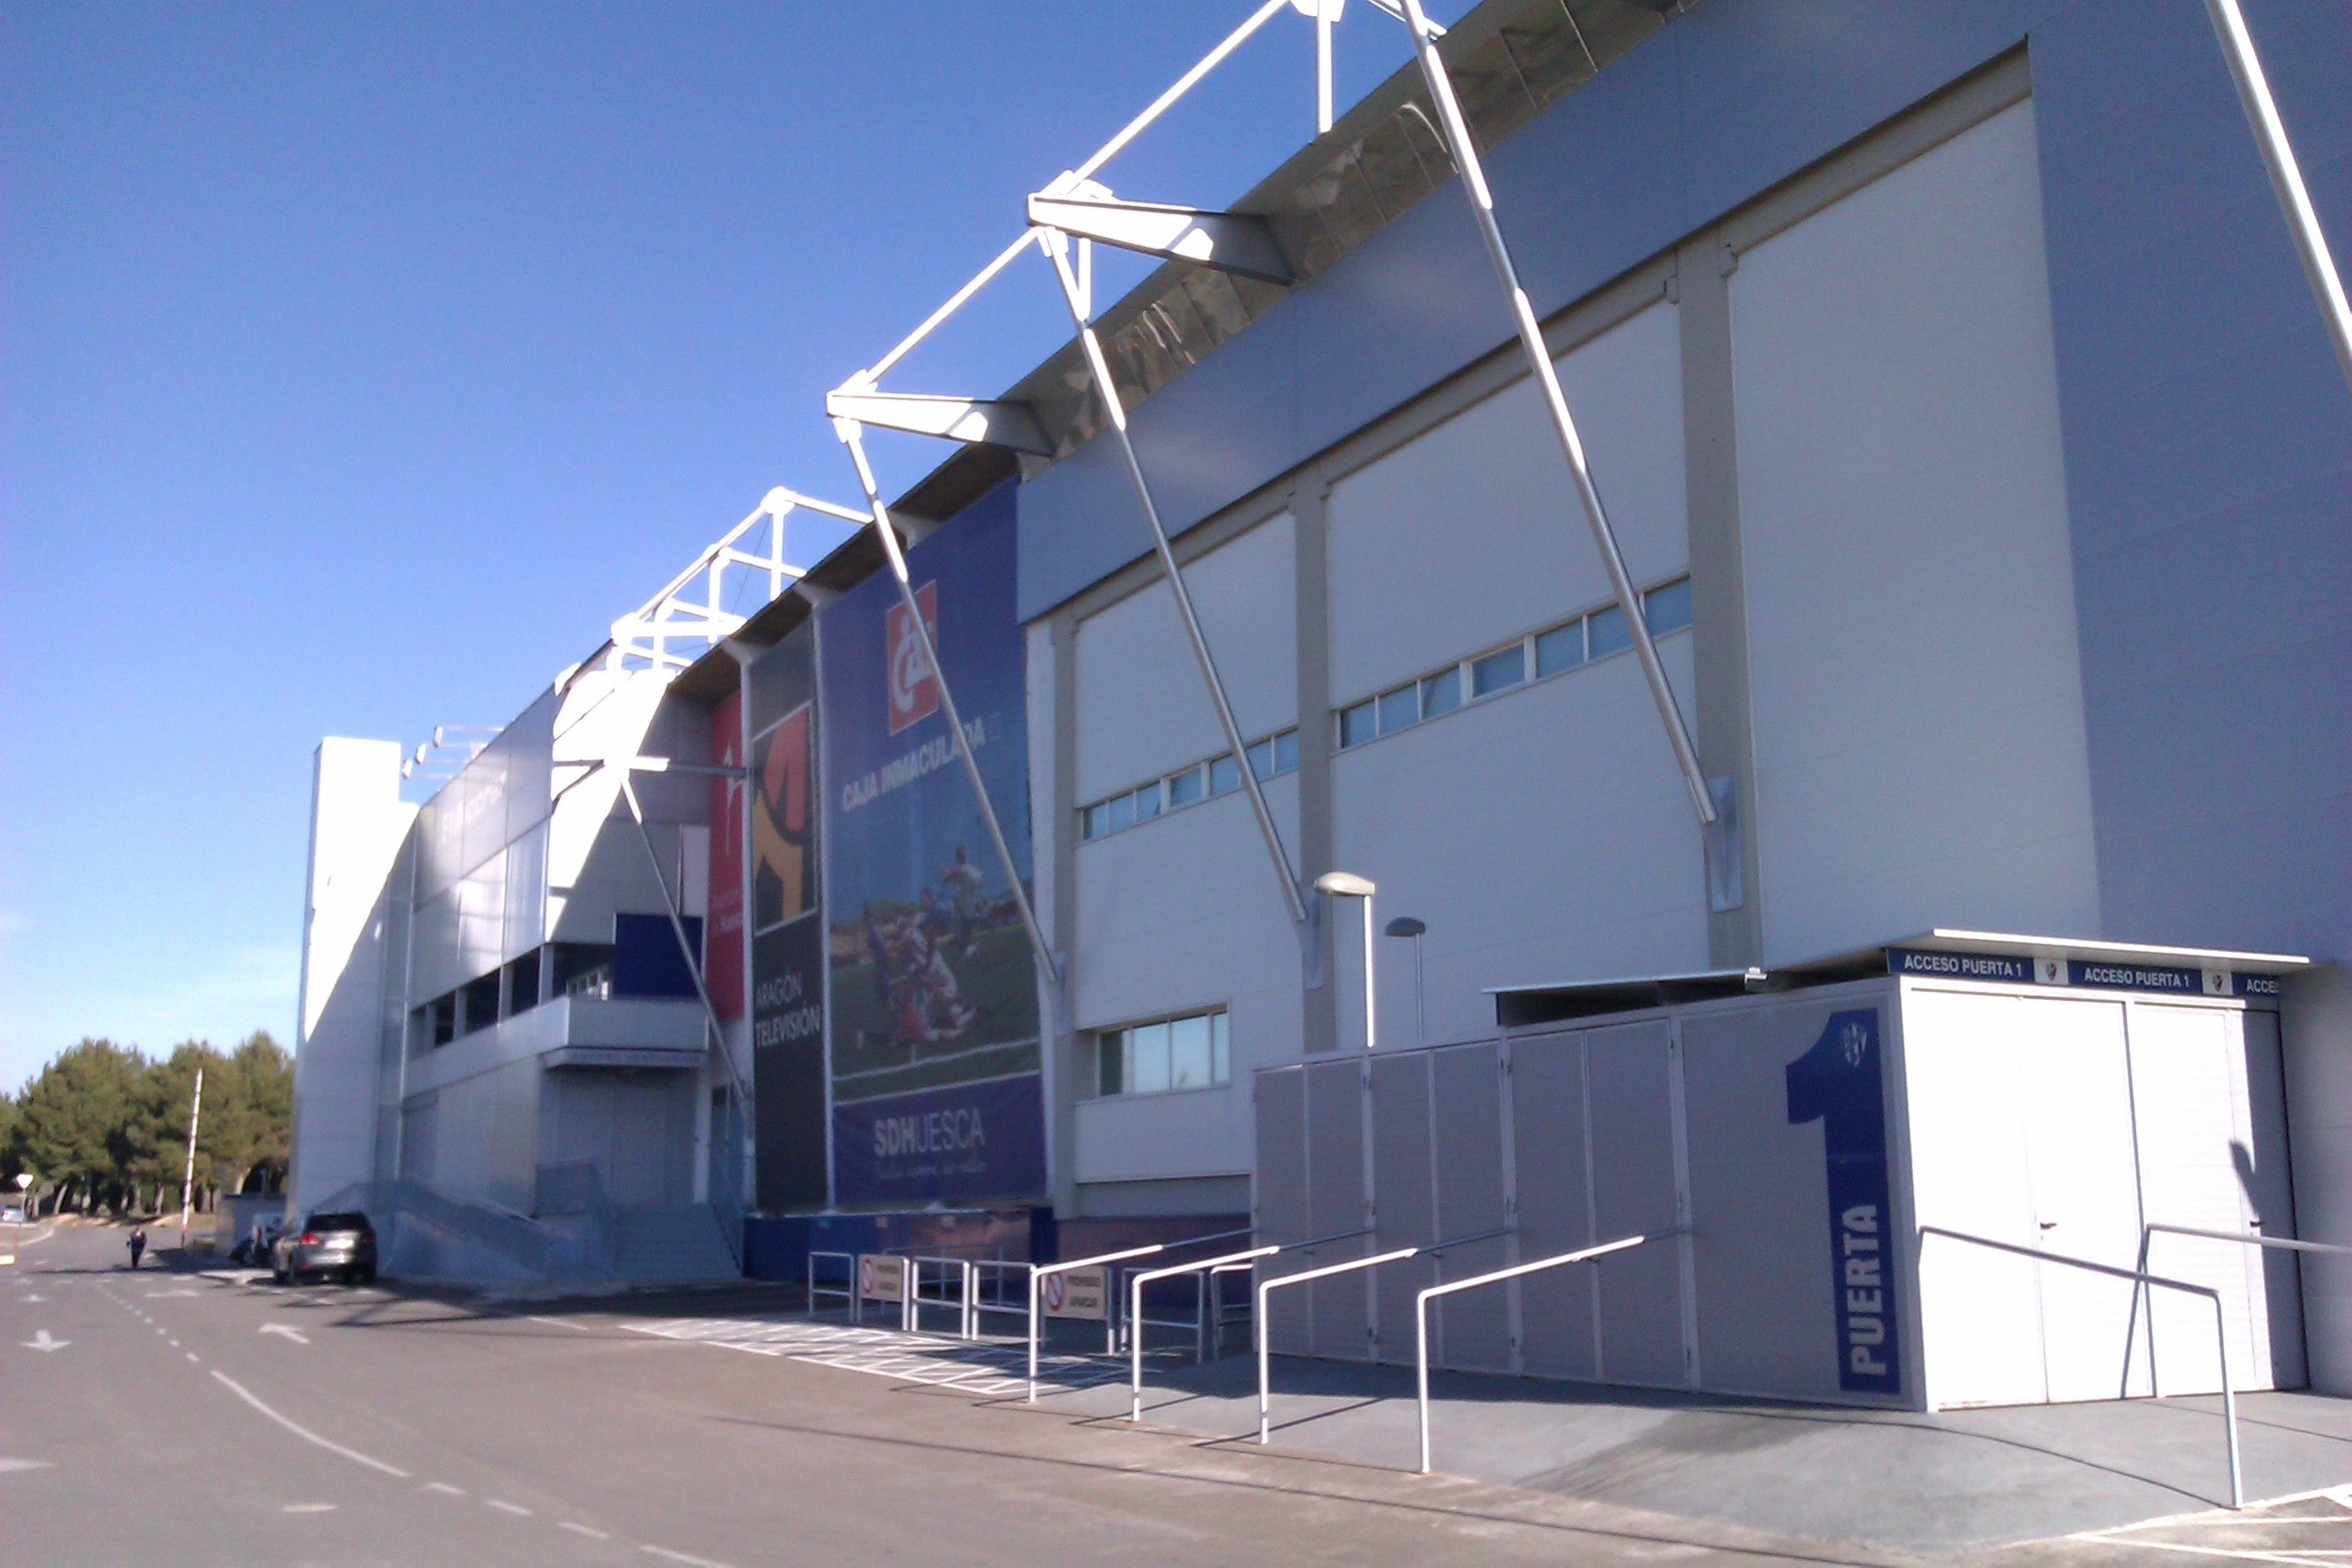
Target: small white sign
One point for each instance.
(1078, 1293)
(881, 1278)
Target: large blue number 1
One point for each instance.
(1841, 1084)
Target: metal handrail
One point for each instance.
(848, 1291)
(1266, 1289)
(1135, 1284)
(2220, 1336)
(1421, 1305)
(1037, 1274)
(2279, 1243)
(960, 1270)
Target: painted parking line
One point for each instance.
(305, 1433)
(991, 1371)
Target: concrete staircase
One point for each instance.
(677, 1244)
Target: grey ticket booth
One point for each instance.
(1801, 1128)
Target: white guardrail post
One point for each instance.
(1421, 1307)
(2221, 1333)
(1135, 1312)
(1265, 1338)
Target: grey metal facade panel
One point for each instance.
(1281, 1191)
(2209, 465)
(1404, 1188)
(1467, 1084)
(1718, 107)
(1547, 1117)
(1632, 1110)
(1338, 1311)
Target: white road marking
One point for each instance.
(535, 1318)
(988, 1370)
(305, 1433)
(666, 1555)
(2225, 1552)
(444, 1488)
(173, 1343)
(582, 1529)
(190, 1356)
(295, 1334)
(162, 1295)
(513, 1508)
(8, 1465)
(35, 1298)
(43, 1342)
(308, 1508)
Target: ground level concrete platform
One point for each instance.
(1962, 1482)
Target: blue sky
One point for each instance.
(360, 362)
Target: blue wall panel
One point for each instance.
(2208, 455)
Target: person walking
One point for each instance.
(138, 1243)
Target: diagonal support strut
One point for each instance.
(1057, 249)
(1482, 206)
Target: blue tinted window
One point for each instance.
(1610, 632)
(1122, 813)
(1442, 692)
(1096, 821)
(1225, 776)
(1560, 648)
(1357, 725)
(1261, 758)
(1285, 752)
(1146, 802)
(1668, 609)
(1497, 671)
(1184, 788)
(1399, 710)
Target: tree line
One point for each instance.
(106, 1127)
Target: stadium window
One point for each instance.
(1094, 821)
(439, 1020)
(1191, 1051)
(1499, 671)
(478, 1003)
(1610, 633)
(1400, 709)
(1357, 725)
(580, 969)
(1442, 692)
(1668, 609)
(522, 984)
(1224, 775)
(1285, 752)
(1261, 759)
(1122, 813)
(1148, 801)
(1186, 787)
(1563, 647)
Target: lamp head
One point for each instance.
(1344, 885)
(1405, 925)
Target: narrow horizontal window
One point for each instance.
(1563, 647)
(1610, 633)
(1285, 752)
(1225, 776)
(1668, 609)
(1146, 802)
(1261, 758)
(1194, 1051)
(1147, 1055)
(1442, 692)
(1095, 821)
(1122, 813)
(1357, 725)
(1400, 709)
(1186, 787)
(1499, 671)
(1111, 1062)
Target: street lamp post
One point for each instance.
(1406, 925)
(1347, 885)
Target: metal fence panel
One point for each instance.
(1281, 1202)
(1404, 1188)
(1339, 1312)
(1559, 1327)
(1476, 1327)
(1630, 1080)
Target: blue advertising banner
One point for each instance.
(1841, 1083)
(933, 999)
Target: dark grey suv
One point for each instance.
(328, 1245)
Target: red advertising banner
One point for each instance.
(723, 948)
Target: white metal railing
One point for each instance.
(848, 1289)
(1043, 1272)
(1208, 1268)
(2115, 1271)
(1421, 1305)
(946, 1273)
(1267, 1287)
(989, 1288)
(2274, 1243)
